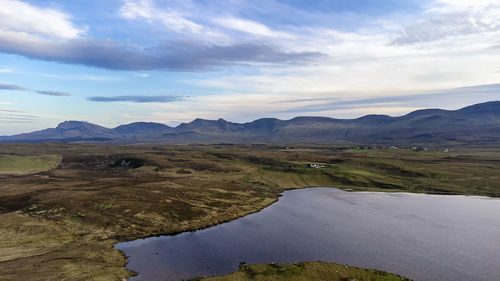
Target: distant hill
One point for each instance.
(142, 129)
(476, 124)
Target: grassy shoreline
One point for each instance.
(90, 200)
(303, 271)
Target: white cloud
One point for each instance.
(352, 72)
(20, 17)
(447, 46)
(172, 20)
(137, 9)
(251, 27)
(6, 70)
(178, 23)
(27, 28)
(469, 3)
(454, 19)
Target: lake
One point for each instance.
(419, 236)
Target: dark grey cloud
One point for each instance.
(139, 99)
(16, 116)
(171, 55)
(11, 87)
(189, 55)
(53, 93)
(19, 88)
(15, 121)
(451, 98)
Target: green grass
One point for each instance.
(348, 170)
(28, 164)
(305, 271)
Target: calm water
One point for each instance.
(423, 237)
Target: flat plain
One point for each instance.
(64, 206)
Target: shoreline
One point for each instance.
(350, 190)
(276, 200)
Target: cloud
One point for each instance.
(16, 116)
(133, 9)
(184, 55)
(12, 87)
(468, 3)
(22, 18)
(11, 120)
(6, 70)
(187, 53)
(138, 99)
(19, 88)
(251, 27)
(10, 110)
(306, 100)
(146, 9)
(456, 19)
(53, 93)
(457, 97)
(83, 77)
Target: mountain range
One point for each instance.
(475, 124)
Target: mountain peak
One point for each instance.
(68, 125)
(142, 128)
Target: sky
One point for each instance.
(120, 61)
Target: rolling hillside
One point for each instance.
(476, 124)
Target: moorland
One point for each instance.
(64, 206)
